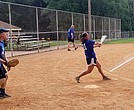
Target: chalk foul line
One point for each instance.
(121, 64)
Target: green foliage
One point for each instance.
(114, 8)
(122, 9)
(69, 5)
(39, 3)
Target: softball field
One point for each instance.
(45, 81)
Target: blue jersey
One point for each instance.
(71, 30)
(88, 46)
(2, 50)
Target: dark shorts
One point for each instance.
(2, 72)
(70, 40)
(91, 60)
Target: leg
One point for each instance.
(2, 81)
(5, 82)
(89, 70)
(100, 71)
(3, 86)
(74, 45)
(68, 46)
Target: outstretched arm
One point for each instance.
(97, 44)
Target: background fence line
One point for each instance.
(43, 24)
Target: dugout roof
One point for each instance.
(7, 26)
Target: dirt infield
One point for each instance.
(45, 81)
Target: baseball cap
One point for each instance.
(3, 30)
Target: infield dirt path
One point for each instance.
(45, 81)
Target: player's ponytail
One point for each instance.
(83, 37)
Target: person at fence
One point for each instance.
(71, 38)
(90, 54)
(3, 60)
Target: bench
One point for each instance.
(26, 36)
(29, 45)
(27, 39)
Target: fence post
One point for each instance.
(10, 21)
(102, 25)
(115, 27)
(37, 26)
(72, 19)
(120, 28)
(89, 15)
(94, 26)
(57, 29)
(109, 30)
(84, 23)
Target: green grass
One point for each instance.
(54, 43)
(119, 41)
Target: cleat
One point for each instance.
(69, 50)
(2, 96)
(106, 78)
(77, 79)
(76, 48)
(6, 95)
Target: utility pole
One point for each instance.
(89, 15)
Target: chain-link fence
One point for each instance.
(127, 34)
(34, 28)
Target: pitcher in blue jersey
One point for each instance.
(71, 38)
(3, 60)
(91, 59)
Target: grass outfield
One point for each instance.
(119, 41)
(54, 43)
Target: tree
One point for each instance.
(131, 9)
(113, 8)
(38, 3)
(79, 6)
